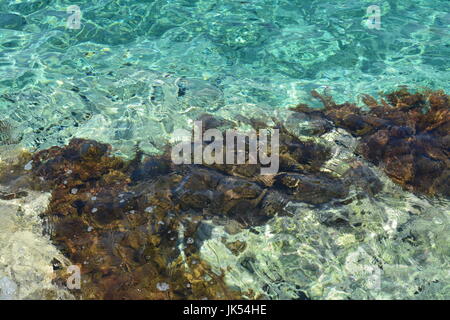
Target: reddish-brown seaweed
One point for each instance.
(408, 134)
(131, 225)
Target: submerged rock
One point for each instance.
(127, 235)
(315, 189)
(133, 225)
(137, 226)
(408, 135)
(25, 254)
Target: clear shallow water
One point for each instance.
(138, 69)
(120, 69)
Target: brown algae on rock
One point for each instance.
(132, 226)
(408, 135)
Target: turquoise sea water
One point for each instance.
(136, 70)
(122, 66)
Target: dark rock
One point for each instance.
(128, 221)
(409, 135)
(314, 189)
(364, 178)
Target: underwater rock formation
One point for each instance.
(125, 235)
(25, 254)
(408, 135)
(132, 225)
(25, 265)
